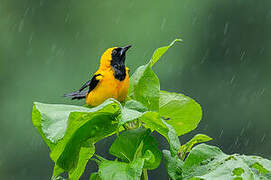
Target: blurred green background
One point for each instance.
(48, 48)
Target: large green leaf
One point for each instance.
(186, 148)
(115, 170)
(70, 132)
(86, 152)
(151, 154)
(137, 143)
(82, 127)
(174, 143)
(84, 155)
(144, 85)
(56, 174)
(153, 121)
(126, 144)
(94, 176)
(36, 120)
(132, 110)
(173, 165)
(259, 166)
(209, 162)
(158, 53)
(135, 105)
(52, 119)
(180, 111)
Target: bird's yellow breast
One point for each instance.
(108, 87)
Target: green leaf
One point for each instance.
(174, 143)
(137, 143)
(135, 78)
(180, 111)
(115, 170)
(52, 119)
(158, 53)
(173, 165)
(36, 120)
(151, 153)
(186, 148)
(131, 111)
(138, 152)
(70, 130)
(259, 166)
(94, 176)
(144, 85)
(135, 105)
(59, 178)
(128, 115)
(57, 172)
(85, 154)
(82, 128)
(126, 144)
(209, 162)
(153, 121)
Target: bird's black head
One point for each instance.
(118, 62)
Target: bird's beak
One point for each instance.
(124, 49)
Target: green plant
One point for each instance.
(72, 131)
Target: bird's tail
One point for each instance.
(76, 95)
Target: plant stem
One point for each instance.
(145, 174)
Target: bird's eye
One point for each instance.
(114, 52)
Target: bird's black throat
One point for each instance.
(119, 70)
(118, 63)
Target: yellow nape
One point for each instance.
(106, 58)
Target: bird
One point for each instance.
(111, 80)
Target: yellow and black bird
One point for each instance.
(110, 81)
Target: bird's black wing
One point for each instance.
(80, 94)
(93, 82)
